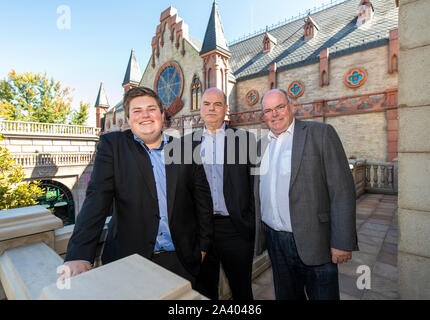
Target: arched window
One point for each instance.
(209, 79)
(195, 93)
(266, 44)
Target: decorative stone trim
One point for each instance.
(393, 59)
(252, 97)
(358, 104)
(324, 70)
(296, 89)
(355, 77)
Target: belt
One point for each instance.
(158, 252)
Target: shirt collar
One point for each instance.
(220, 130)
(163, 142)
(290, 130)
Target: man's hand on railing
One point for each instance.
(73, 268)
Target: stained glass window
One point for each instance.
(355, 77)
(296, 89)
(169, 85)
(195, 93)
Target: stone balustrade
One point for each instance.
(46, 129)
(29, 160)
(382, 177)
(358, 170)
(32, 246)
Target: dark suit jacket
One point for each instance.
(238, 183)
(123, 173)
(322, 194)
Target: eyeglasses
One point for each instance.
(279, 108)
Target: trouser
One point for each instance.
(170, 261)
(293, 280)
(235, 254)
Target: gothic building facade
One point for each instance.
(338, 65)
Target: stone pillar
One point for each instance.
(414, 150)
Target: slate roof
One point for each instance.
(337, 31)
(214, 35)
(101, 100)
(133, 74)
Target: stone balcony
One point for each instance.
(33, 243)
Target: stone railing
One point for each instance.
(382, 177)
(29, 160)
(46, 129)
(32, 247)
(358, 170)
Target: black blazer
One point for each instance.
(123, 173)
(238, 183)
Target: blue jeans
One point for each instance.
(292, 278)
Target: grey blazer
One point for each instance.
(322, 194)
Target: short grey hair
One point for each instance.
(219, 90)
(278, 90)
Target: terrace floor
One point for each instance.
(377, 240)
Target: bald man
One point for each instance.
(306, 199)
(224, 151)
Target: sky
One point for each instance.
(82, 43)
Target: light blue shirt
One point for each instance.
(212, 154)
(164, 239)
(275, 182)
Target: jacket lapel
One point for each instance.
(143, 163)
(172, 172)
(299, 139)
(225, 166)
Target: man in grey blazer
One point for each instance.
(305, 197)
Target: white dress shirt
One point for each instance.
(275, 182)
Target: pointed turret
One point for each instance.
(132, 75)
(214, 36)
(215, 54)
(101, 105)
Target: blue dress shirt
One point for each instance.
(212, 154)
(164, 239)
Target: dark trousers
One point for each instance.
(235, 254)
(292, 278)
(170, 261)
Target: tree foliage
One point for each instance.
(14, 193)
(35, 98)
(80, 117)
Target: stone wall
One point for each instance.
(363, 135)
(414, 150)
(374, 61)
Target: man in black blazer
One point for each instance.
(224, 151)
(163, 211)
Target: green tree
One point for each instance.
(80, 117)
(14, 193)
(35, 98)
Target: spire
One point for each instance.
(214, 36)
(133, 74)
(102, 100)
